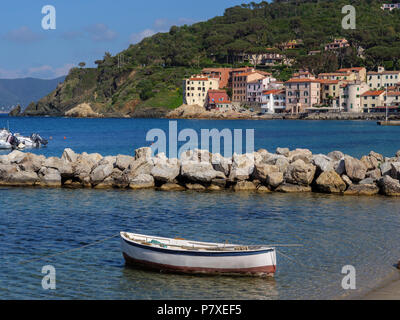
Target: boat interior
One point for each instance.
(182, 244)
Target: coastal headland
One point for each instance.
(287, 171)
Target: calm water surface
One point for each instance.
(335, 230)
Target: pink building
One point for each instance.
(302, 93)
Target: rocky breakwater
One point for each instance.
(287, 171)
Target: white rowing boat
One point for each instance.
(184, 256)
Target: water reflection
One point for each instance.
(174, 286)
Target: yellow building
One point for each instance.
(382, 78)
(195, 89)
(348, 76)
(360, 73)
(372, 99)
(330, 90)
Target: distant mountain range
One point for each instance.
(24, 91)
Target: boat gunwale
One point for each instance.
(199, 251)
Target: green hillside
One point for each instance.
(148, 75)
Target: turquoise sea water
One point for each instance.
(335, 231)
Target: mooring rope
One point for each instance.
(303, 265)
(70, 250)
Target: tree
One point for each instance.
(82, 64)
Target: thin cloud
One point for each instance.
(159, 25)
(100, 32)
(42, 72)
(137, 37)
(22, 35)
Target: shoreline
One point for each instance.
(214, 115)
(388, 289)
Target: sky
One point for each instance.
(86, 29)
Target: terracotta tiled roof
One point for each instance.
(331, 74)
(383, 72)
(198, 79)
(276, 91)
(299, 80)
(325, 81)
(351, 69)
(373, 93)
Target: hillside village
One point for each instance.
(279, 57)
(353, 90)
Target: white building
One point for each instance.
(350, 96)
(390, 6)
(273, 101)
(256, 88)
(382, 78)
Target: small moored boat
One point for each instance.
(184, 256)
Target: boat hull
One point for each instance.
(253, 263)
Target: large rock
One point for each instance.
(300, 173)
(336, 155)
(386, 168)
(69, 155)
(282, 164)
(4, 159)
(374, 174)
(10, 176)
(221, 163)
(195, 187)
(395, 170)
(32, 162)
(300, 154)
(109, 159)
(16, 156)
(371, 163)
(167, 171)
(143, 153)
(367, 181)
(7, 170)
(49, 177)
(172, 187)
(245, 186)
(100, 173)
(120, 180)
(292, 188)
(340, 167)
(274, 179)
(389, 186)
(262, 170)
(196, 171)
(347, 180)
(201, 155)
(355, 169)
(123, 162)
(63, 167)
(142, 181)
(94, 158)
(330, 182)
(242, 167)
(283, 151)
(142, 165)
(82, 169)
(377, 156)
(362, 190)
(323, 163)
